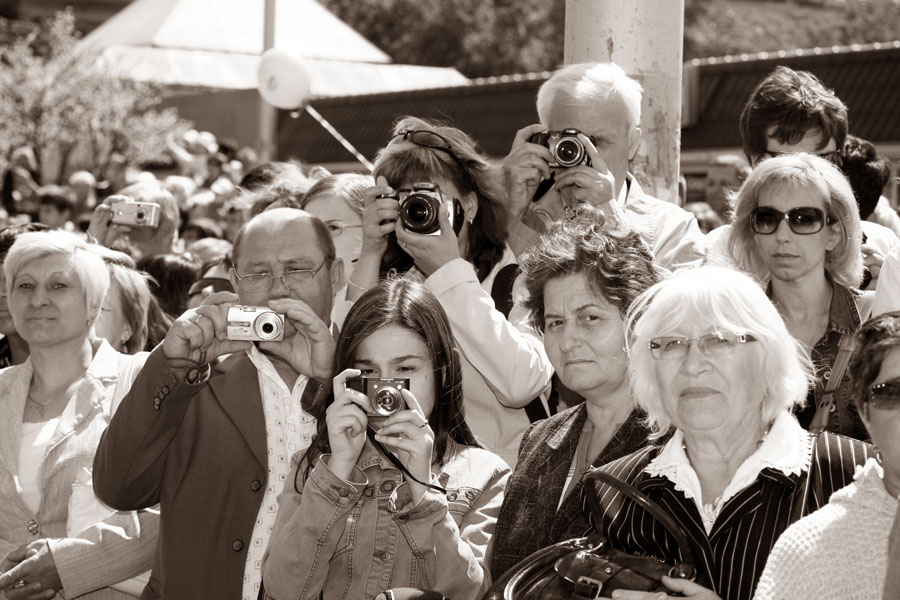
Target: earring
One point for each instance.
(878, 456)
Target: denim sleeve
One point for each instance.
(453, 555)
(307, 530)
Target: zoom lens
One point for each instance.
(419, 213)
(387, 401)
(569, 152)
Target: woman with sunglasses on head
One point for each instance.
(840, 551)
(465, 262)
(404, 501)
(796, 228)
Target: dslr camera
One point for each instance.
(135, 214)
(384, 395)
(565, 147)
(420, 206)
(254, 324)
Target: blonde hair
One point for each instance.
(727, 301)
(844, 261)
(86, 263)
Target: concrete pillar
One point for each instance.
(268, 114)
(645, 38)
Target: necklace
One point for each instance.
(41, 408)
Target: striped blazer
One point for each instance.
(731, 558)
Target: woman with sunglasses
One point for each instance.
(466, 263)
(796, 228)
(841, 550)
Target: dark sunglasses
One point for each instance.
(435, 141)
(885, 395)
(219, 284)
(803, 220)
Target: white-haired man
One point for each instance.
(604, 105)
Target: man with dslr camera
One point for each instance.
(590, 130)
(214, 453)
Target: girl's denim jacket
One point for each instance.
(354, 539)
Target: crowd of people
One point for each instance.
(250, 381)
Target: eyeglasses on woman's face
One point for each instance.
(336, 228)
(711, 344)
(885, 395)
(803, 220)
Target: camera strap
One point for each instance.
(370, 433)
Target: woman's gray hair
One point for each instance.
(724, 300)
(86, 262)
(844, 261)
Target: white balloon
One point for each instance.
(283, 81)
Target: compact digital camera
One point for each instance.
(384, 395)
(420, 206)
(254, 324)
(135, 214)
(565, 146)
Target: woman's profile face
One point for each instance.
(883, 423)
(344, 224)
(6, 323)
(790, 256)
(703, 393)
(47, 302)
(112, 324)
(394, 352)
(584, 337)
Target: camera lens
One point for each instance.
(387, 401)
(419, 213)
(268, 326)
(569, 152)
(140, 216)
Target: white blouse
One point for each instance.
(35, 439)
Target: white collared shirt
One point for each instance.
(289, 429)
(786, 448)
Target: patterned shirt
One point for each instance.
(289, 429)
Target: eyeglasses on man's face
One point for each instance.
(885, 395)
(711, 344)
(803, 220)
(296, 279)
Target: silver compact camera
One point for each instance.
(565, 147)
(384, 395)
(254, 324)
(135, 214)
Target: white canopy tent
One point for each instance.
(217, 43)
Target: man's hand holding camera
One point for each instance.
(308, 345)
(526, 165)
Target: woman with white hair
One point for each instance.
(53, 409)
(713, 363)
(813, 265)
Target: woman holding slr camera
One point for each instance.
(465, 262)
(412, 503)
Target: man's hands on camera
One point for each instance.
(308, 345)
(430, 252)
(199, 335)
(594, 185)
(101, 227)
(523, 169)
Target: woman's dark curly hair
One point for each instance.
(403, 161)
(874, 339)
(617, 265)
(410, 305)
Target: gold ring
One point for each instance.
(19, 584)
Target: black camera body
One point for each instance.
(384, 395)
(420, 207)
(566, 147)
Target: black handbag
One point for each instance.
(587, 567)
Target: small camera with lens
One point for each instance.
(420, 207)
(254, 324)
(135, 214)
(565, 146)
(384, 395)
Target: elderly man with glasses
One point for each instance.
(214, 453)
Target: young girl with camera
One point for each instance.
(355, 519)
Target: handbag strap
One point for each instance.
(825, 405)
(684, 568)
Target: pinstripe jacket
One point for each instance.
(731, 558)
(120, 547)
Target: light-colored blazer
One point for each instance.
(116, 549)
